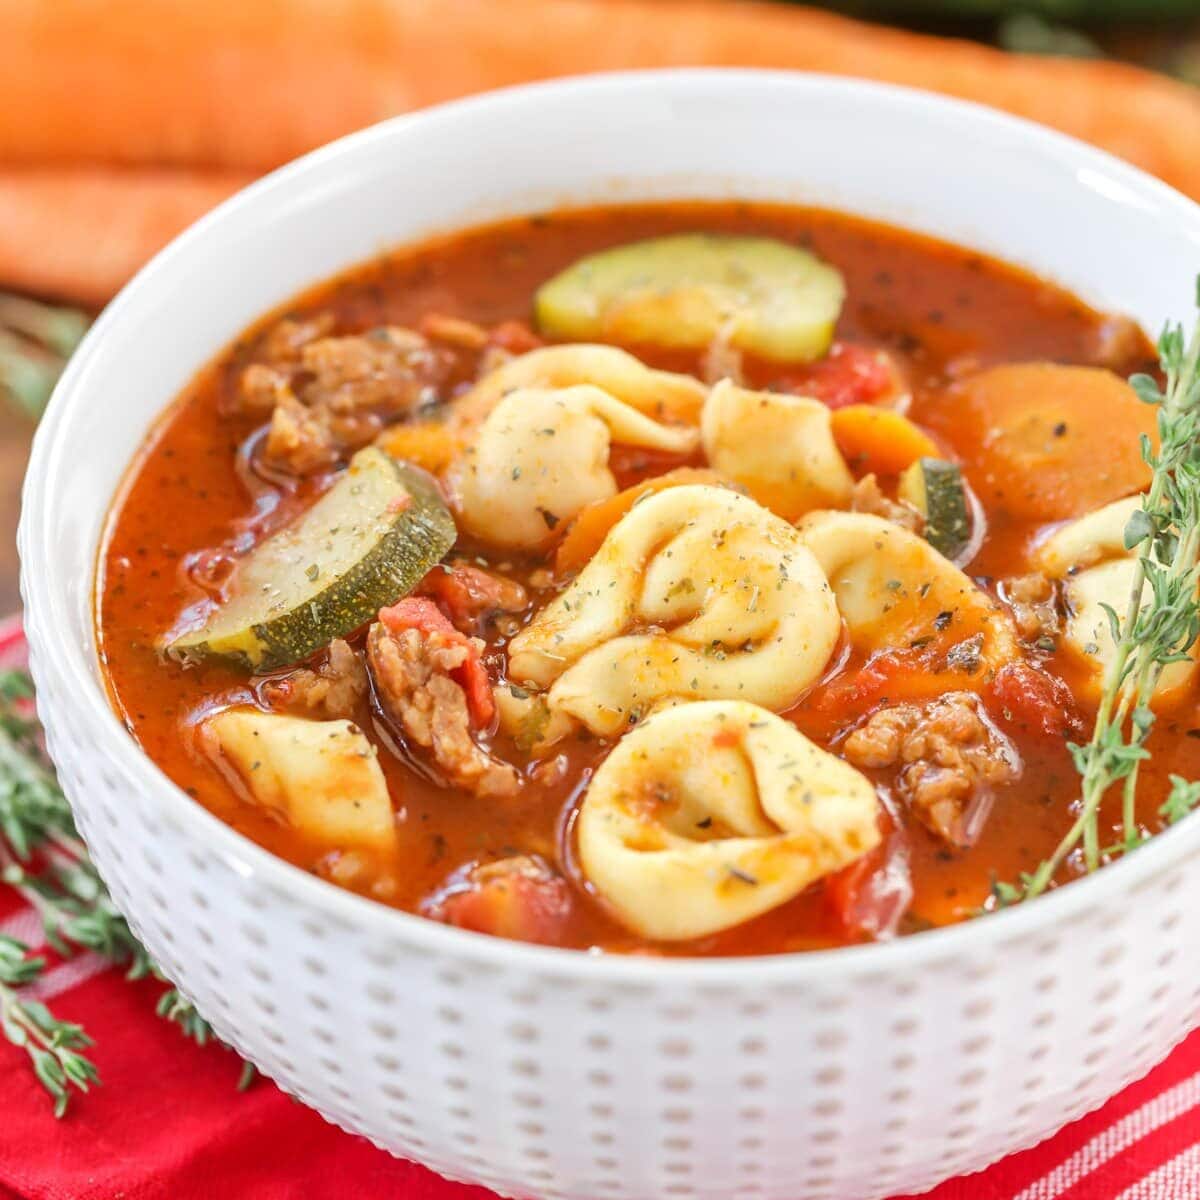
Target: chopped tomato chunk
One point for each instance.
(520, 898)
(869, 897)
(848, 374)
(1034, 700)
(415, 612)
(883, 676)
(467, 593)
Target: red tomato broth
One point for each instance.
(926, 303)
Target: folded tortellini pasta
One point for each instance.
(541, 456)
(780, 448)
(1089, 557)
(894, 590)
(322, 777)
(711, 813)
(663, 395)
(698, 593)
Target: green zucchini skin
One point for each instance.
(935, 488)
(405, 528)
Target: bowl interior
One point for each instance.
(1077, 217)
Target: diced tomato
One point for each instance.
(1034, 700)
(519, 898)
(415, 612)
(848, 374)
(869, 897)
(466, 593)
(887, 674)
(515, 336)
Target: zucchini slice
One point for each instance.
(769, 298)
(935, 489)
(364, 544)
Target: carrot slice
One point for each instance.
(430, 445)
(1046, 442)
(879, 440)
(78, 79)
(591, 527)
(79, 232)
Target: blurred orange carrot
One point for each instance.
(192, 97)
(250, 83)
(79, 232)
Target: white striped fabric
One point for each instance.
(1177, 1179)
(1116, 1139)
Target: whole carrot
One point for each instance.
(246, 84)
(78, 233)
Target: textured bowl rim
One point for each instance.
(78, 668)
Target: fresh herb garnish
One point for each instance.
(42, 858)
(1159, 626)
(35, 343)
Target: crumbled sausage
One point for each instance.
(287, 338)
(333, 690)
(950, 757)
(413, 671)
(868, 497)
(328, 396)
(300, 439)
(1033, 601)
(389, 370)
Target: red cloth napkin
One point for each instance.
(167, 1124)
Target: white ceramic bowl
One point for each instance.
(851, 1073)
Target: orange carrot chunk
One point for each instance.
(879, 440)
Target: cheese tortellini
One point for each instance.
(1089, 557)
(322, 777)
(541, 456)
(714, 812)
(697, 592)
(664, 395)
(780, 448)
(894, 589)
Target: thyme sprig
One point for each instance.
(1160, 624)
(53, 1046)
(42, 858)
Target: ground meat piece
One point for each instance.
(390, 370)
(330, 396)
(288, 337)
(413, 671)
(265, 379)
(300, 440)
(869, 498)
(950, 759)
(1033, 601)
(333, 690)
